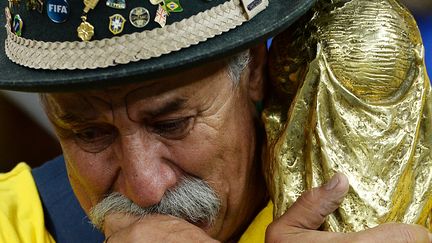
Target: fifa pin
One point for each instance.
(117, 4)
(173, 6)
(116, 23)
(17, 25)
(139, 17)
(58, 10)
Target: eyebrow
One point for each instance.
(70, 119)
(171, 106)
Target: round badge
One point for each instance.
(139, 17)
(156, 2)
(58, 10)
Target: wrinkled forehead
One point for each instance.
(183, 83)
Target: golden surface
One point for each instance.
(89, 4)
(352, 96)
(85, 30)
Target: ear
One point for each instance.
(257, 72)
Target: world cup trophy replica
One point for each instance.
(351, 95)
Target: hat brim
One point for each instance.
(268, 23)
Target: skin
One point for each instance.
(140, 139)
(122, 142)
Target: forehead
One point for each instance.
(197, 79)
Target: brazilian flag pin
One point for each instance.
(173, 6)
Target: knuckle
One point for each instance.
(309, 198)
(135, 231)
(277, 232)
(307, 202)
(314, 202)
(271, 233)
(270, 230)
(314, 210)
(409, 233)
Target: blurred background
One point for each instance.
(422, 11)
(26, 135)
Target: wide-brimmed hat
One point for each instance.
(64, 45)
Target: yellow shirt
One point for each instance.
(21, 213)
(22, 219)
(256, 230)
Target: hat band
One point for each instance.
(130, 47)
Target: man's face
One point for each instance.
(140, 140)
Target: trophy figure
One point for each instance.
(352, 96)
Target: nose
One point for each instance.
(145, 172)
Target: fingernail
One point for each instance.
(334, 181)
(430, 237)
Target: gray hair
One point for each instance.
(237, 64)
(192, 199)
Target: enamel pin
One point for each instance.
(35, 5)
(13, 5)
(17, 25)
(117, 4)
(85, 30)
(58, 10)
(139, 17)
(161, 16)
(116, 23)
(156, 2)
(173, 6)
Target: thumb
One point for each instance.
(311, 208)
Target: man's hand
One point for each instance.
(153, 228)
(301, 221)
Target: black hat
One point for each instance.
(45, 56)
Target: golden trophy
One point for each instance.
(352, 95)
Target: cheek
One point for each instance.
(89, 174)
(218, 154)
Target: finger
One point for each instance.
(311, 208)
(161, 228)
(117, 221)
(393, 232)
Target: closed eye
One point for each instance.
(95, 138)
(173, 128)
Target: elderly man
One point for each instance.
(163, 149)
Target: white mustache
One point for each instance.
(192, 199)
